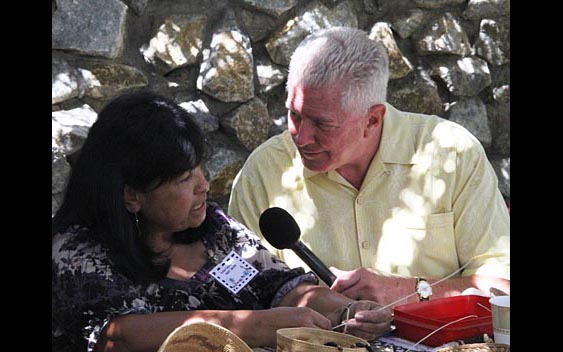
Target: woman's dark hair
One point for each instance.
(141, 140)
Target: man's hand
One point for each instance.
(365, 319)
(360, 284)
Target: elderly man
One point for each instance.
(401, 201)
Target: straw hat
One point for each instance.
(203, 337)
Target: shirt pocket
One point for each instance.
(435, 252)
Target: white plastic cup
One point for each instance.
(500, 307)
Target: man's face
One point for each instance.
(327, 138)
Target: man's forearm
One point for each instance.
(455, 286)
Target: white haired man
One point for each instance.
(398, 200)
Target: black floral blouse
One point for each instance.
(87, 289)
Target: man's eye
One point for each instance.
(325, 127)
(294, 115)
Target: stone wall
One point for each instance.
(226, 62)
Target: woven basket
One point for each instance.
(477, 347)
(313, 340)
(203, 337)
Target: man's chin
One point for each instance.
(314, 165)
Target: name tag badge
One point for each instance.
(234, 272)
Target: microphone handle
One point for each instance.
(314, 262)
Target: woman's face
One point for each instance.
(176, 205)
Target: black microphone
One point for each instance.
(281, 231)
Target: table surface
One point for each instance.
(391, 343)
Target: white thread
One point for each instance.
(344, 323)
(414, 293)
(347, 318)
(435, 283)
(440, 328)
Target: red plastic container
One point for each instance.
(414, 321)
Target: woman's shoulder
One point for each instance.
(75, 250)
(227, 232)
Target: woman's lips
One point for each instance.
(199, 207)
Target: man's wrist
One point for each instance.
(423, 289)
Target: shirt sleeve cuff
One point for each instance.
(291, 284)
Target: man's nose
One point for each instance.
(304, 134)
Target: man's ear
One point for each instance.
(375, 115)
(132, 199)
(375, 118)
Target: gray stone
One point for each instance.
(479, 9)
(199, 110)
(493, 43)
(60, 170)
(345, 13)
(272, 7)
(315, 16)
(269, 75)
(472, 114)
(70, 128)
(224, 161)
(56, 201)
(443, 36)
(249, 123)
(178, 43)
(436, 4)
(138, 6)
(227, 70)
(502, 170)
(66, 82)
(91, 27)
(105, 81)
(463, 77)
(415, 93)
(399, 65)
(407, 24)
(499, 115)
(256, 24)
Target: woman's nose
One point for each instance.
(202, 185)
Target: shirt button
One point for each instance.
(365, 244)
(360, 200)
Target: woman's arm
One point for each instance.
(146, 332)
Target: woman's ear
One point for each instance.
(131, 199)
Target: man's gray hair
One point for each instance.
(345, 57)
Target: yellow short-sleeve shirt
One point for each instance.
(429, 202)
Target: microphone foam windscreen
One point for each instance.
(279, 227)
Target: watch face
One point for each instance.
(424, 289)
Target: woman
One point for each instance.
(138, 251)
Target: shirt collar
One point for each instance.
(397, 143)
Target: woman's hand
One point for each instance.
(268, 321)
(364, 319)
